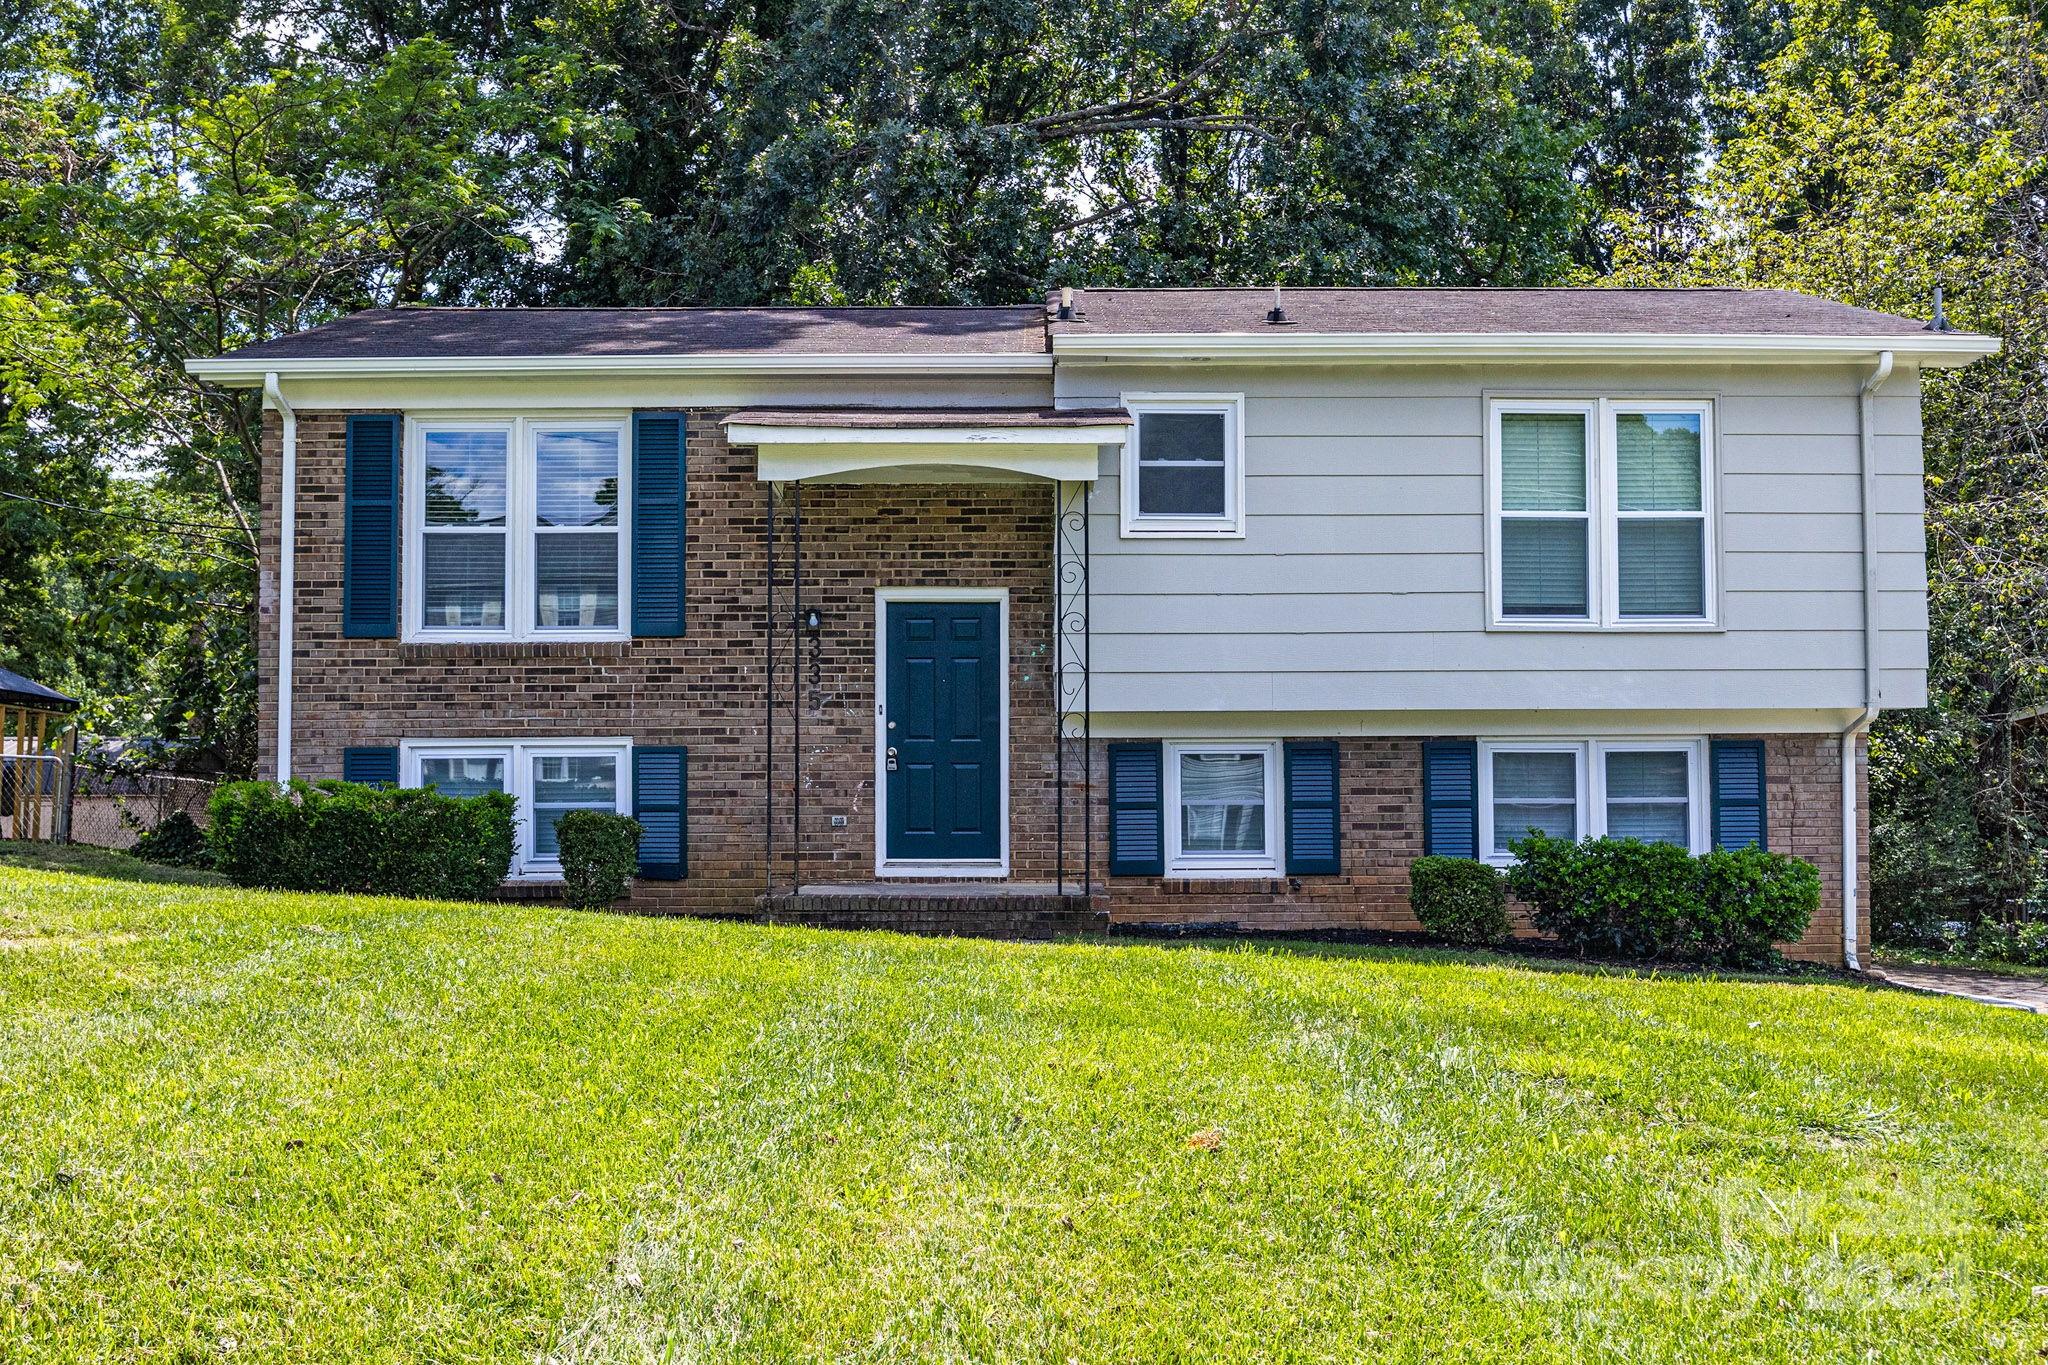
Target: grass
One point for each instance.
(99, 862)
(292, 1127)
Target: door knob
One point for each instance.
(890, 756)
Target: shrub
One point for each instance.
(177, 841)
(344, 836)
(1459, 900)
(1626, 898)
(600, 850)
(2023, 943)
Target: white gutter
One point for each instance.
(229, 371)
(287, 546)
(1931, 349)
(1873, 659)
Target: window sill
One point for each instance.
(1222, 874)
(1219, 532)
(1596, 628)
(514, 649)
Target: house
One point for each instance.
(1180, 605)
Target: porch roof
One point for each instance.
(927, 444)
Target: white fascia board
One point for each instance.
(1425, 724)
(923, 463)
(750, 434)
(1925, 349)
(233, 373)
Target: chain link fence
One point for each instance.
(112, 806)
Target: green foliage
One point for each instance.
(345, 836)
(2023, 943)
(1884, 152)
(1459, 900)
(1627, 898)
(600, 850)
(177, 841)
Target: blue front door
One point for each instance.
(943, 732)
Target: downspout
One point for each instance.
(287, 523)
(1866, 431)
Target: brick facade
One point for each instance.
(706, 691)
(1382, 821)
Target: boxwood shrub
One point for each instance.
(1459, 900)
(600, 850)
(344, 836)
(1626, 898)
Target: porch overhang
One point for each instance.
(928, 445)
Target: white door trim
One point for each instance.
(999, 866)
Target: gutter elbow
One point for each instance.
(1880, 374)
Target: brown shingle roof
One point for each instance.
(1750, 312)
(435, 333)
(541, 333)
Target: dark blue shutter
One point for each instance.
(1314, 836)
(1137, 828)
(375, 764)
(1737, 766)
(1450, 798)
(658, 539)
(369, 554)
(661, 784)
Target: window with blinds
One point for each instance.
(1602, 512)
(1545, 523)
(1222, 808)
(1648, 789)
(514, 529)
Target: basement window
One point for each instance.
(547, 778)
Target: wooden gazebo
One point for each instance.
(38, 745)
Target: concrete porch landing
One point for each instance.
(974, 909)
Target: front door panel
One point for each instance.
(942, 703)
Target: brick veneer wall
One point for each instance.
(705, 691)
(1382, 820)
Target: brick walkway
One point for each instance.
(2018, 992)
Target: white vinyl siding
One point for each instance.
(1648, 789)
(1222, 809)
(514, 529)
(1362, 582)
(547, 778)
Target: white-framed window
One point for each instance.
(1222, 809)
(515, 528)
(547, 779)
(1648, 789)
(1183, 465)
(1601, 513)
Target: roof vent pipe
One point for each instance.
(1940, 322)
(1066, 303)
(1277, 317)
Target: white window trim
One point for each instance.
(520, 500)
(1232, 522)
(1603, 588)
(1197, 865)
(1591, 779)
(518, 755)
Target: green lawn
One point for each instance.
(262, 1127)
